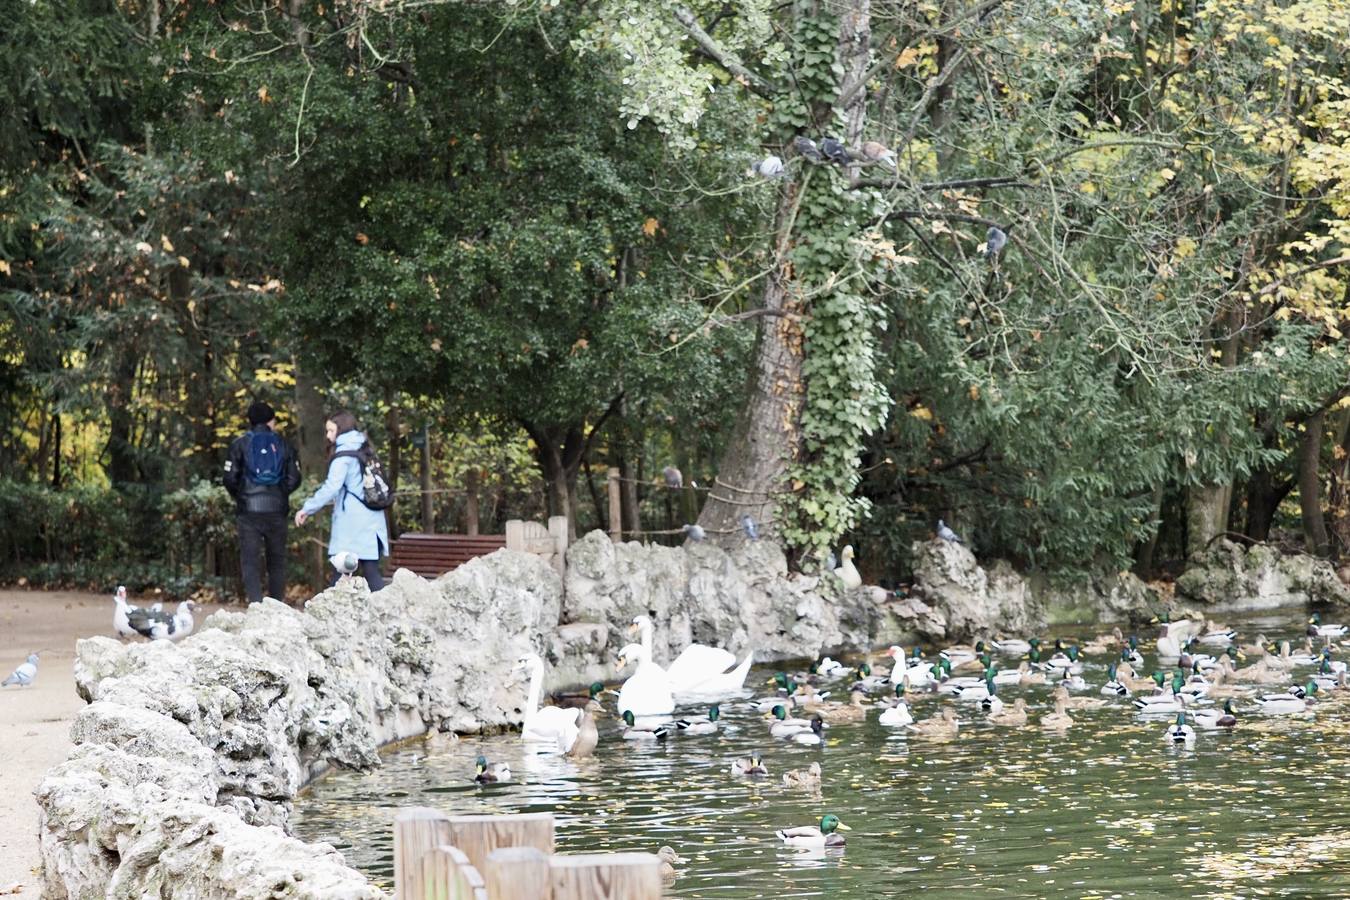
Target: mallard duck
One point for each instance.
(825, 835)
(1011, 717)
(1066, 662)
(1217, 636)
(1026, 676)
(852, 711)
(700, 724)
(490, 773)
(992, 704)
(1337, 666)
(1113, 686)
(1104, 643)
(784, 696)
(830, 668)
(977, 690)
(1072, 682)
(813, 737)
(1288, 704)
(669, 860)
(1180, 733)
(783, 726)
(1130, 653)
(864, 680)
(803, 778)
(1167, 701)
(1059, 720)
(749, 765)
(1213, 719)
(1306, 655)
(1317, 629)
(1219, 688)
(1015, 646)
(957, 656)
(636, 732)
(943, 725)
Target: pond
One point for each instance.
(1106, 809)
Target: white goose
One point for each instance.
(647, 690)
(699, 670)
(847, 572)
(550, 725)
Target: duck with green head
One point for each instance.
(644, 733)
(783, 726)
(1179, 733)
(700, 725)
(1214, 719)
(490, 773)
(1113, 686)
(826, 834)
(1288, 704)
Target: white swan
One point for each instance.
(848, 573)
(551, 725)
(699, 670)
(647, 690)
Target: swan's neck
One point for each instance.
(646, 628)
(536, 689)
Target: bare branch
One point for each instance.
(724, 59)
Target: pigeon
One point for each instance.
(806, 148)
(946, 533)
(345, 562)
(768, 167)
(749, 527)
(695, 532)
(24, 674)
(994, 240)
(875, 152)
(831, 561)
(674, 480)
(835, 152)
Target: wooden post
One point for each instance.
(615, 506)
(606, 876)
(428, 516)
(447, 874)
(471, 502)
(517, 873)
(416, 831)
(515, 535)
(478, 836)
(558, 527)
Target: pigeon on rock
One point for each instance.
(994, 241)
(749, 527)
(875, 152)
(345, 562)
(807, 149)
(768, 167)
(946, 533)
(24, 674)
(695, 532)
(835, 151)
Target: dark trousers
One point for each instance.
(257, 532)
(369, 570)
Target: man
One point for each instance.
(261, 472)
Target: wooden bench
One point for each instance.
(430, 555)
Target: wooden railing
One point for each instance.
(430, 555)
(443, 857)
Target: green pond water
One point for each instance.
(1108, 809)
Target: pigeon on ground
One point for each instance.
(835, 152)
(994, 240)
(946, 533)
(768, 167)
(806, 148)
(345, 562)
(875, 152)
(674, 480)
(24, 674)
(749, 527)
(695, 532)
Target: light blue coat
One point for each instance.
(355, 526)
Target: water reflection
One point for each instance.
(1105, 809)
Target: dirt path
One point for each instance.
(35, 721)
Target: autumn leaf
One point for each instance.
(361, 238)
(649, 227)
(4, 268)
(164, 242)
(908, 57)
(922, 413)
(581, 344)
(183, 261)
(263, 96)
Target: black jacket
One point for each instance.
(260, 499)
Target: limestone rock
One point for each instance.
(971, 601)
(1230, 577)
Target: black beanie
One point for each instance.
(259, 413)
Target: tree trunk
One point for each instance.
(1206, 515)
(559, 451)
(1264, 496)
(310, 443)
(1144, 552)
(1310, 483)
(1339, 477)
(393, 461)
(121, 453)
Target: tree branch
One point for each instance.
(724, 59)
(1324, 264)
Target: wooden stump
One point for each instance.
(517, 873)
(447, 874)
(478, 836)
(606, 876)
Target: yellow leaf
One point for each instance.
(4, 268)
(1167, 174)
(908, 57)
(1185, 247)
(922, 413)
(183, 261)
(164, 242)
(1088, 187)
(649, 227)
(263, 96)
(974, 392)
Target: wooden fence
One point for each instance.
(443, 857)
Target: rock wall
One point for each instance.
(1230, 577)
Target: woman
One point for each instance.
(356, 528)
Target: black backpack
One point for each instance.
(377, 492)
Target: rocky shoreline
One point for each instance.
(188, 756)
